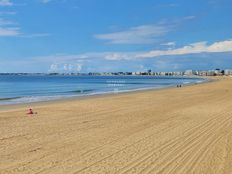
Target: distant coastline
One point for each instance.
(216, 72)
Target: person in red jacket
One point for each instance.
(30, 112)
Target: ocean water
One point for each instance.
(26, 89)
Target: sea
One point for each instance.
(19, 89)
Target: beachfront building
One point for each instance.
(217, 72)
(210, 73)
(162, 73)
(202, 73)
(188, 72)
(178, 73)
(228, 72)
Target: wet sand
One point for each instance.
(178, 130)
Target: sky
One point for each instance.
(114, 35)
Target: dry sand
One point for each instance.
(180, 130)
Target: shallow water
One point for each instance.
(25, 89)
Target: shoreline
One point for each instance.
(7, 107)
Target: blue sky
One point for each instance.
(110, 35)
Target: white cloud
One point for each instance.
(194, 48)
(35, 35)
(144, 34)
(169, 44)
(6, 22)
(117, 56)
(199, 47)
(5, 3)
(53, 67)
(78, 67)
(166, 5)
(7, 12)
(62, 58)
(6, 28)
(46, 1)
(9, 28)
(65, 67)
(189, 17)
(15, 31)
(9, 31)
(54, 1)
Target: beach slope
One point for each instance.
(179, 130)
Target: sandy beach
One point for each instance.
(178, 130)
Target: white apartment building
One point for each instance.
(228, 72)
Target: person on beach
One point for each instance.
(30, 112)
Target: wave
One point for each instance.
(9, 98)
(81, 91)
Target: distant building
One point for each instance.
(228, 72)
(177, 73)
(162, 73)
(138, 73)
(210, 73)
(202, 73)
(188, 72)
(133, 73)
(218, 72)
(128, 73)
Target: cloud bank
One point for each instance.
(194, 48)
(144, 34)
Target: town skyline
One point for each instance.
(216, 72)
